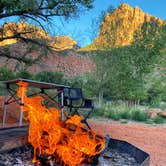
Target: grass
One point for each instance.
(117, 111)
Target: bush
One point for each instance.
(6, 74)
(98, 112)
(24, 74)
(121, 111)
(86, 82)
(125, 114)
(139, 115)
(115, 115)
(159, 119)
(48, 76)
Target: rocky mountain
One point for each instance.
(23, 29)
(62, 58)
(118, 28)
(69, 62)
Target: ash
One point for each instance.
(23, 157)
(17, 157)
(113, 157)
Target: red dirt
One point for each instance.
(151, 139)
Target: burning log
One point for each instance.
(55, 159)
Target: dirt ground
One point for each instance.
(150, 138)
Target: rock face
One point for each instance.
(118, 28)
(62, 58)
(69, 62)
(153, 113)
(29, 31)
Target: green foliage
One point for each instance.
(115, 115)
(42, 9)
(117, 111)
(126, 81)
(120, 111)
(159, 119)
(24, 74)
(139, 116)
(52, 77)
(101, 76)
(86, 82)
(98, 112)
(126, 72)
(126, 114)
(40, 12)
(157, 88)
(6, 74)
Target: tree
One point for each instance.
(39, 11)
(47, 76)
(127, 68)
(101, 74)
(132, 65)
(42, 9)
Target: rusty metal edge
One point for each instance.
(22, 132)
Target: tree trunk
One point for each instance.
(100, 98)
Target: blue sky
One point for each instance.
(80, 28)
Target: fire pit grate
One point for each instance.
(118, 153)
(21, 156)
(122, 153)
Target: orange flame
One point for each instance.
(49, 135)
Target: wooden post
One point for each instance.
(21, 106)
(62, 104)
(4, 111)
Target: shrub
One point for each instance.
(121, 111)
(24, 74)
(48, 76)
(6, 74)
(159, 119)
(139, 115)
(98, 112)
(115, 115)
(125, 114)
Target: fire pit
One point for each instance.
(117, 153)
(56, 141)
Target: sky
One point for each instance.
(80, 29)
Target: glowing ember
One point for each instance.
(67, 140)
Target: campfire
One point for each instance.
(67, 142)
(56, 138)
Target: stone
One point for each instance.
(163, 114)
(153, 113)
(119, 27)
